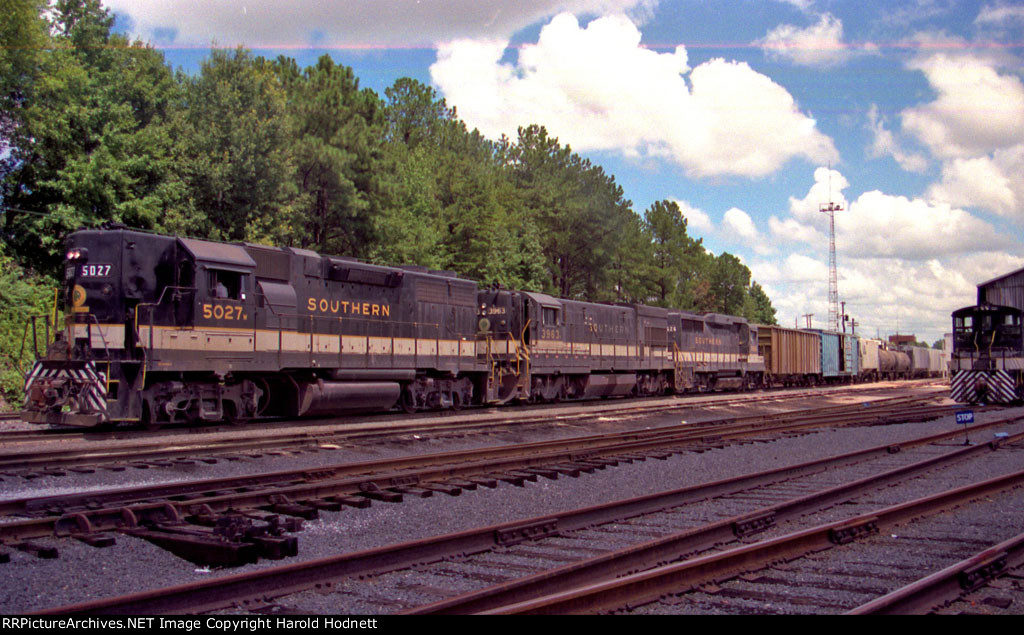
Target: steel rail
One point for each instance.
(345, 484)
(444, 422)
(27, 460)
(648, 586)
(950, 583)
(674, 547)
(444, 465)
(57, 461)
(251, 589)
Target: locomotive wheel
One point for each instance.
(408, 401)
(231, 414)
(456, 401)
(147, 421)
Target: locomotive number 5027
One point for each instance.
(222, 312)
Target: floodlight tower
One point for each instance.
(831, 208)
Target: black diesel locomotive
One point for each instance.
(161, 329)
(988, 354)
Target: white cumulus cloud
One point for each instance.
(819, 44)
(975, 126)
(596, 88)
(346, 23)
(977, 109)
(885, 144)
(991, 183)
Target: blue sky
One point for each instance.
(734, 108)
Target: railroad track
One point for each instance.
(147, 452)
(354, 484)
(530, 540)
(377, 426)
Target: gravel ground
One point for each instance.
(842, 578)
(81, 572)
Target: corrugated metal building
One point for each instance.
(1006, 290)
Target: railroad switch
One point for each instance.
(224, 540)
(199, 547)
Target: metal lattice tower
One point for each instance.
(831, 208)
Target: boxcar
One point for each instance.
(869, 369)
(791, 356)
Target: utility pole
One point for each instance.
(807, 317)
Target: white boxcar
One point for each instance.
(919, 360)
(936, 363)
(869, 359)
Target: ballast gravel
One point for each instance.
(81, 573)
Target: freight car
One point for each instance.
(987, 363)
(792, 357)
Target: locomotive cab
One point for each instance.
(988, 354)
(986, 330)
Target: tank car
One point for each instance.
(987, 363)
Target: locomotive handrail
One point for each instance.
(147, 353)
(88, 332)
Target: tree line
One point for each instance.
(97, 128)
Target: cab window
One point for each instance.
(550, 316)
(228, 285)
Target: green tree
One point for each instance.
(760, 309)
(451, 203)
(729, 279)
(234, 160)
(91, 141)
(337, 131)
(577, 209)
(631, 271)
(679, 261)
(23, 296)
(23, 36)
